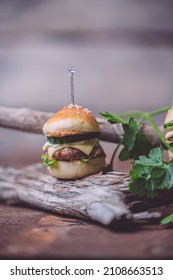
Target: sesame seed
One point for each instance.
(78, 107)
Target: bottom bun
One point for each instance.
(77, 169)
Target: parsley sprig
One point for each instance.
(150, 174)
(167, 220)
(134, 142)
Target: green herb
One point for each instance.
(112, 118)
(135, 143)
(167, 220)
(151, 174)
(49, 162)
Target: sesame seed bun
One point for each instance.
(70, 120)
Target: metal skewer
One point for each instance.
(71, 74)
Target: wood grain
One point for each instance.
(101, 198)
(96, 198)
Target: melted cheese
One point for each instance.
(84, 146)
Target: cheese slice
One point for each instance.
(84, 146)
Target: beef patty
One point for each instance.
(70, 154)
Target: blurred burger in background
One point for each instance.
(72, 150)
(168, 125)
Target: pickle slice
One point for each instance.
(72, 138)
(169, 124)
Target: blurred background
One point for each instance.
(122, 51)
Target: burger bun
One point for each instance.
(70, 120)
(71, 170)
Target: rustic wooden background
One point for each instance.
(123, 53)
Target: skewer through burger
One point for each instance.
(72, 150)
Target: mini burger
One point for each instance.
(72, 150)
(168, 125)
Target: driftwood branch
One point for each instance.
(101, 198)
(29, 120)
(88, 198)
(24, 119)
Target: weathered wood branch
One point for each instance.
(101, 198)
(88, 198)
(29, 120)
(24, 119)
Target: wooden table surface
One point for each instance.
(27, 233)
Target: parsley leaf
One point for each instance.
(113, 118)
(49, 162)
(135, 143)
(167, 220)
(150, 174)
(130, 132)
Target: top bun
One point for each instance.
(70, 120)
(169, 116)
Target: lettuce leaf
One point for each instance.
(49, 162)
